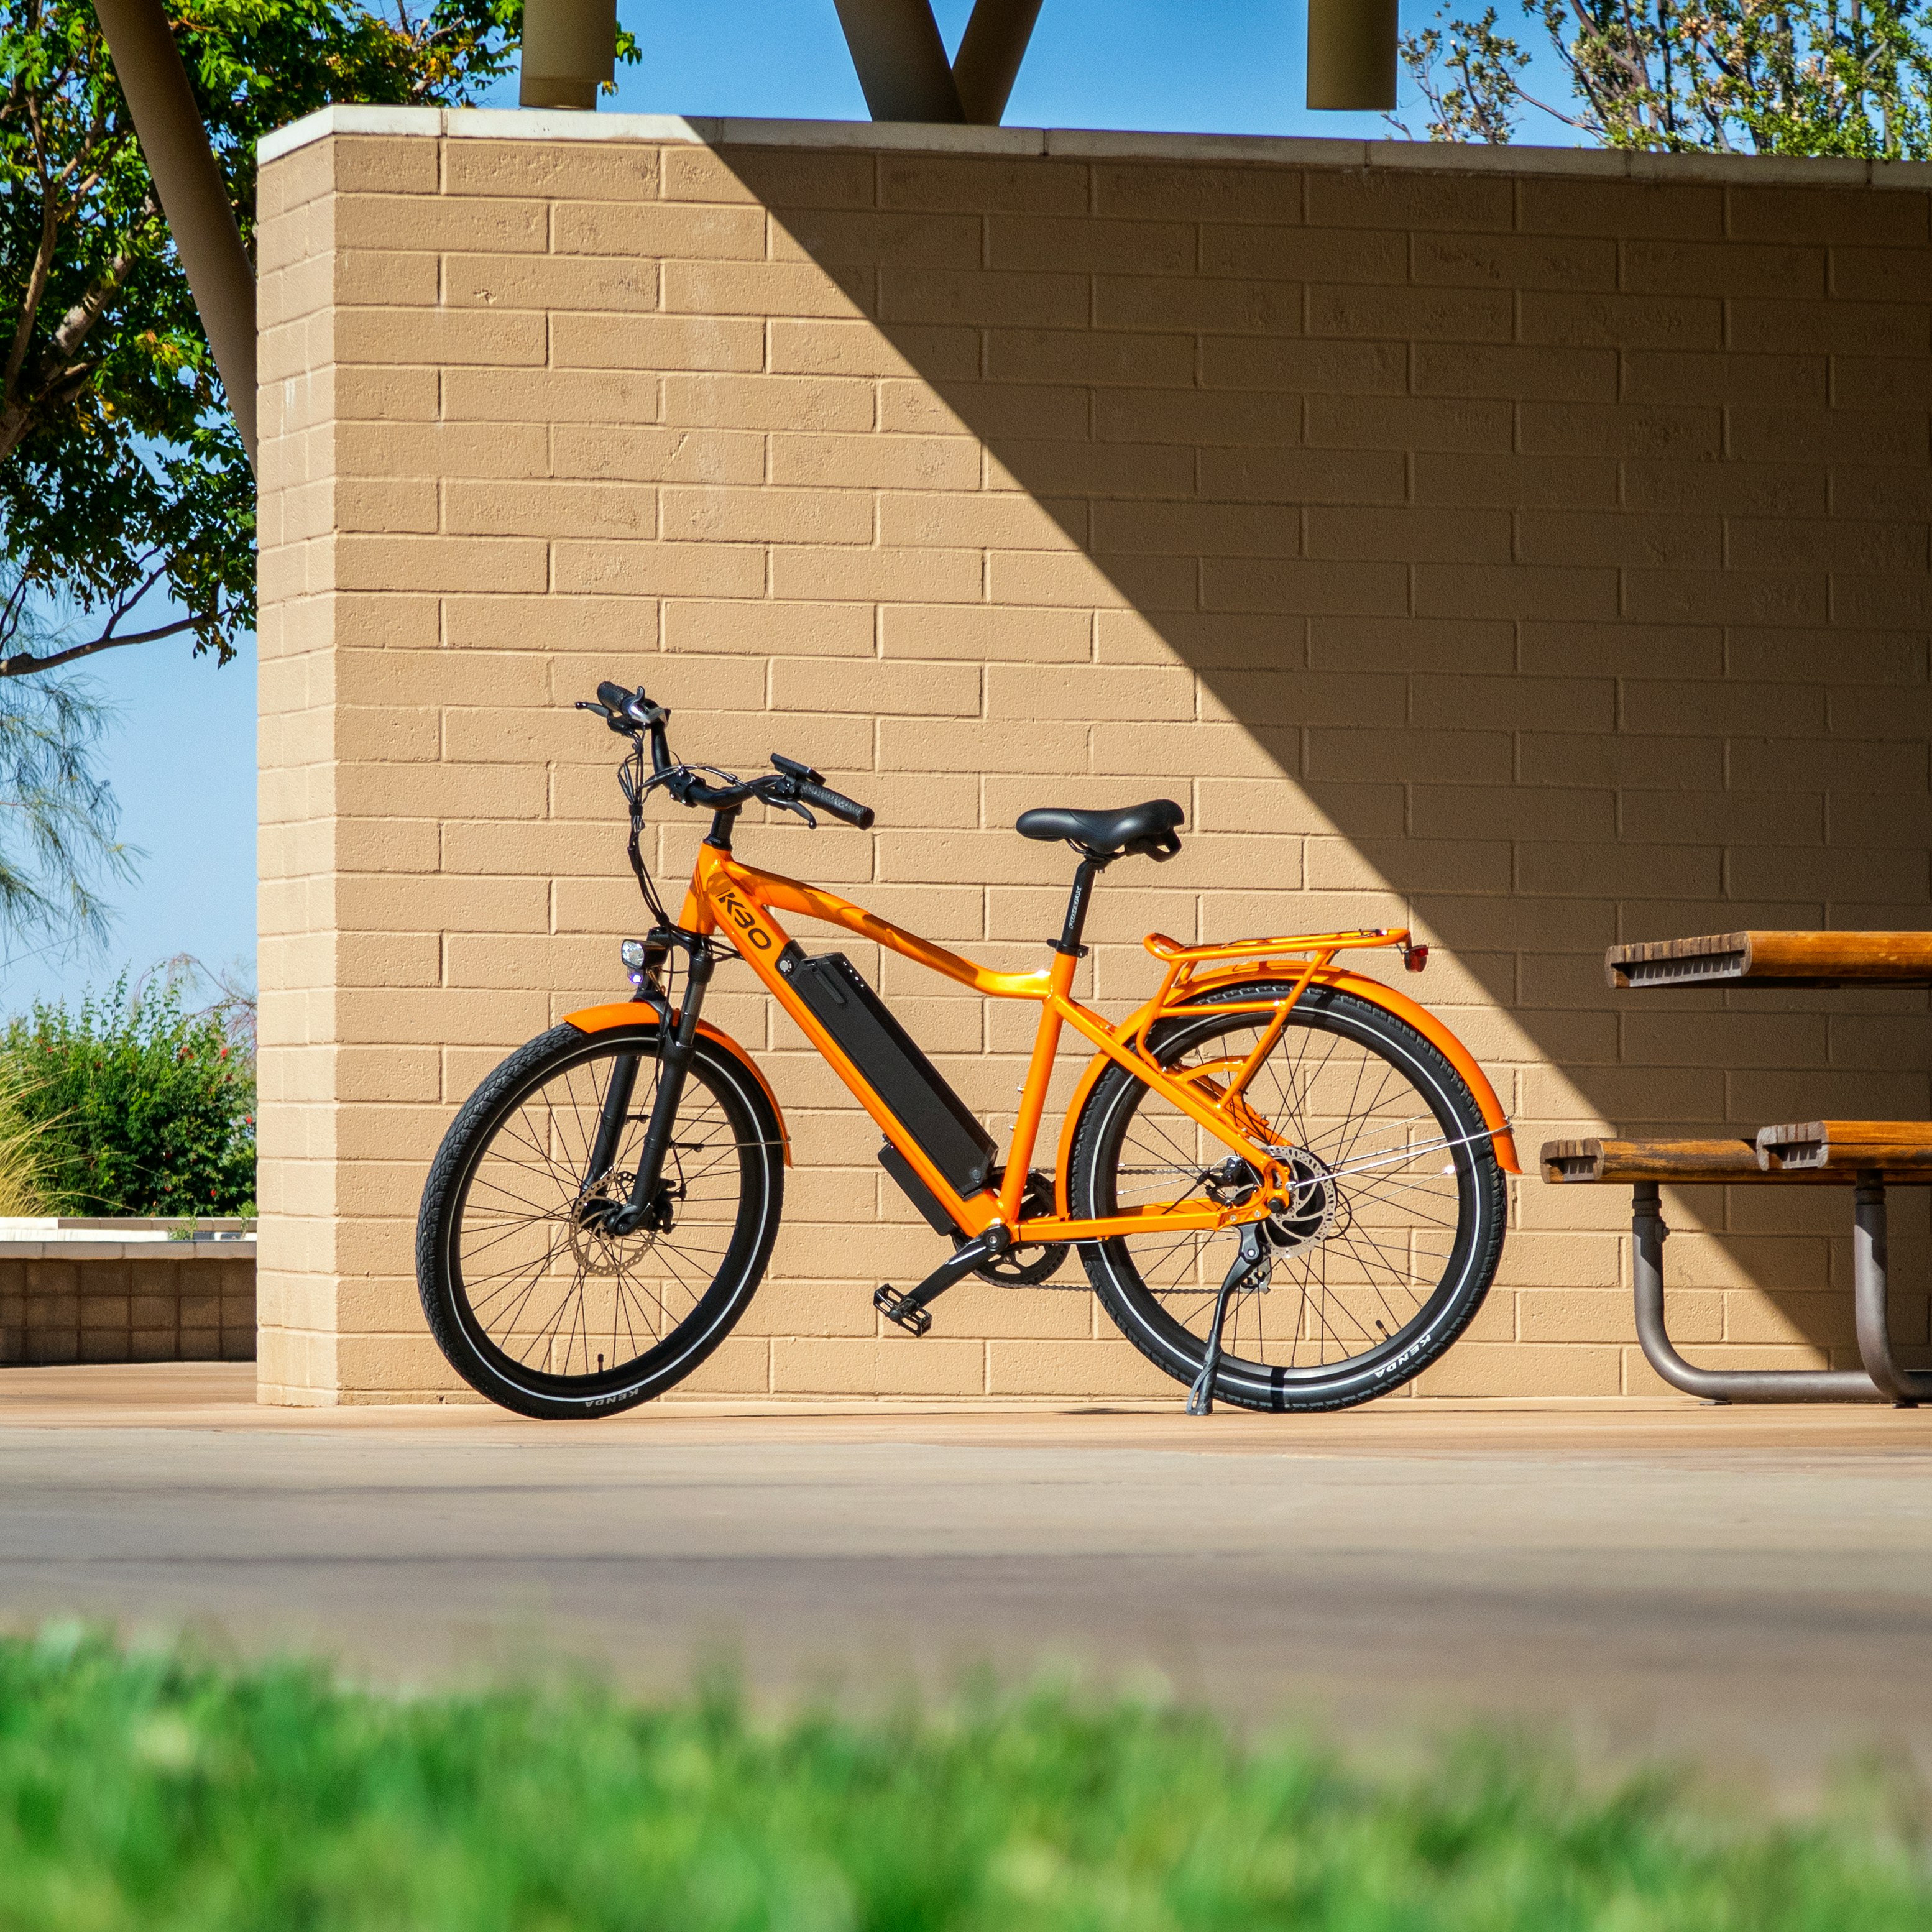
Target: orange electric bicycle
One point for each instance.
(1284, 1179)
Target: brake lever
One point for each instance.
(793, 805)
(616, 720)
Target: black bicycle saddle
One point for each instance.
(1147, 830)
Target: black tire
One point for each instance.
(1386, 1264)
(533, 1305)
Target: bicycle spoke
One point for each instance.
(541, 1277)
(1364, 1275)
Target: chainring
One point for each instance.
(1038, 1261)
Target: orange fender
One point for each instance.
(1398, 1005)
(634, 1013)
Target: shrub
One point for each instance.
(24, 1144)
(139, 1105)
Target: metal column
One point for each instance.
(991, 50)
(902, 60)
(1870, 1285)
(569, 50)
(194, 197)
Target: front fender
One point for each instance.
(1398, 1005)
(634, 1013)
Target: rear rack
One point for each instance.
(1171, 952)
(1317, 949)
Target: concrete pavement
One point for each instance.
(1751, 1587)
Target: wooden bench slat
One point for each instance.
(1827, 1152)
(1894, 1148)
(1792, 959)
(1595, 1161)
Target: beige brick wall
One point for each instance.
(123, 1310)
(1529, 549)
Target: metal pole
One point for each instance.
(1351, 54)
(1647, 1237)
(990, 53)
(569, 49)
(902, 60)
(194, 198)
(1870, 1297)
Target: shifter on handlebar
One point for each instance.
(625, 711)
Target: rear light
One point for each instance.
(1415, 958)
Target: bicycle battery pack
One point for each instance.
(915, 1191)
(945, 1128)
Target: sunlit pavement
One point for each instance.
(1750, 1587)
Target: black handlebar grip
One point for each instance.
(835, 804)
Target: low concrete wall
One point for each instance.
(1527, 547)
(126, 1291)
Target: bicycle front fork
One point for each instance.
(648, 1206)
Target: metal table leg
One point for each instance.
(1647, 1234)
(1869, 1287)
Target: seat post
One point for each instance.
(1069, 941)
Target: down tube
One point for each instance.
(760, 941)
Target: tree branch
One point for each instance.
(26, 665)
(37, 276)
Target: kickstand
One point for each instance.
(1248, 1263)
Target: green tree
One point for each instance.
(120, 473)
(1846, 77)
(58, 849)
(1467, 73)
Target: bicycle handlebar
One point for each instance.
(794, 786)
(835, 805)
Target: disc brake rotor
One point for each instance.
(1316, 1210)
(597, 1251)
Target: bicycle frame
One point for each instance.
(728, 897)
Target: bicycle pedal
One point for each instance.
(902, 1309)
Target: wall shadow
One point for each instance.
(1515, 528)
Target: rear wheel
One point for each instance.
(1390, 1242)
(535, 1303)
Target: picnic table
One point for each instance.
(1866, 1156)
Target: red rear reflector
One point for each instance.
(1415, 958)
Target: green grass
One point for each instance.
(155, 1791)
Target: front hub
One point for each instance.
(605, 1215)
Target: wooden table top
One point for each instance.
(1774, 959)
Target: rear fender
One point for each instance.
(1375, 994)
(635, 1012)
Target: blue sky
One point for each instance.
(1194, 66)
(182, 755)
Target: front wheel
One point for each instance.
(535, 1303)
(1388, 1247)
